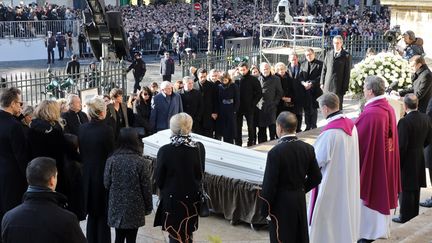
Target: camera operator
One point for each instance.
(414, 46)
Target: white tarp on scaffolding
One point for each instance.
(221, 158)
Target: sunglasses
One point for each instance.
(145, 94)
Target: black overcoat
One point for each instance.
(41, 218)
(178, 175)
(291, 171)
(209, 94)
(73, 121)
(193, 105)
(422, 87)
(250, 93)
(13, 162)
(311, 71)
(96, 144)
(415, 133)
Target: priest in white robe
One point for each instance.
(334, 207)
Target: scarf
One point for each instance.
(178, 140)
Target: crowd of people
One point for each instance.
(93, 159)
(31, 12)
(241, 20)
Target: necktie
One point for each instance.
(79, 120)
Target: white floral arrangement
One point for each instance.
(390, 67)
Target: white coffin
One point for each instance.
(221, 158)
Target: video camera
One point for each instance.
(393, 35)
(283, 15)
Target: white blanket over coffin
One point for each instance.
(221, 158)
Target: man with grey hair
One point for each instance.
(164, 105)
(336, 199)
(414, 132)
(291, 171)
(13, 156)
(336, 70)
(267, 106)
(422, 82)
(74, 117)
(192, 102)
(379, 162)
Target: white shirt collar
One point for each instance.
(335, 117)
(375, 99)
(288, 135)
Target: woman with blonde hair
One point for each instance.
(46, 137)
(178, 174)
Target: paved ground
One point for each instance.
(214, 226)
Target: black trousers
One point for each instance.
(311, 117)
(340, 101)
(61, 52)
(126, 234)
(50, 56)
(299, 122)
(250, 126)
(98, 230)
(409, 204)
(262, 133)
(137, 83)
(166, 77)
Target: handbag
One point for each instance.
(204, 210)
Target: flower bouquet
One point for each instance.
(392, 68)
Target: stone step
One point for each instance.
(417, 230)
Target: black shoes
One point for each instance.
(398, 220)
(427, 203)
(364, 241)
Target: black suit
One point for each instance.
(13, 162)
(414, 132)
(193, 105)
(311, 71)
(73, 68)
(336, 73)
(422, 87)
(96, 145)
(250, 95)
(209, 94)
(73, 121)
(295, 76)
(291, 171)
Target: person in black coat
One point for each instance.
(291, 171)
(294, 73)
(428, 157)
(74, 117)
(41, 217)
(73, 68)
(46, 137)
(14, 151)
(96, 144)
(336, 70)
(117, 116)
(250, 95)
(73, 176)
(422, 82)
(288, 100)
(311, 75)
(209, 94)
(142, 111)
(192, 102)
(178, 174)
(139, 67)
(415, 132)
(229, 102)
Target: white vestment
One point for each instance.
(336, 215)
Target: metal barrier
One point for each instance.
(225, 59)
(34, 29)
(39, 86)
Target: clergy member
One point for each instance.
(379, 162)
(334, 208)
(291, 171)
(414, 132)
